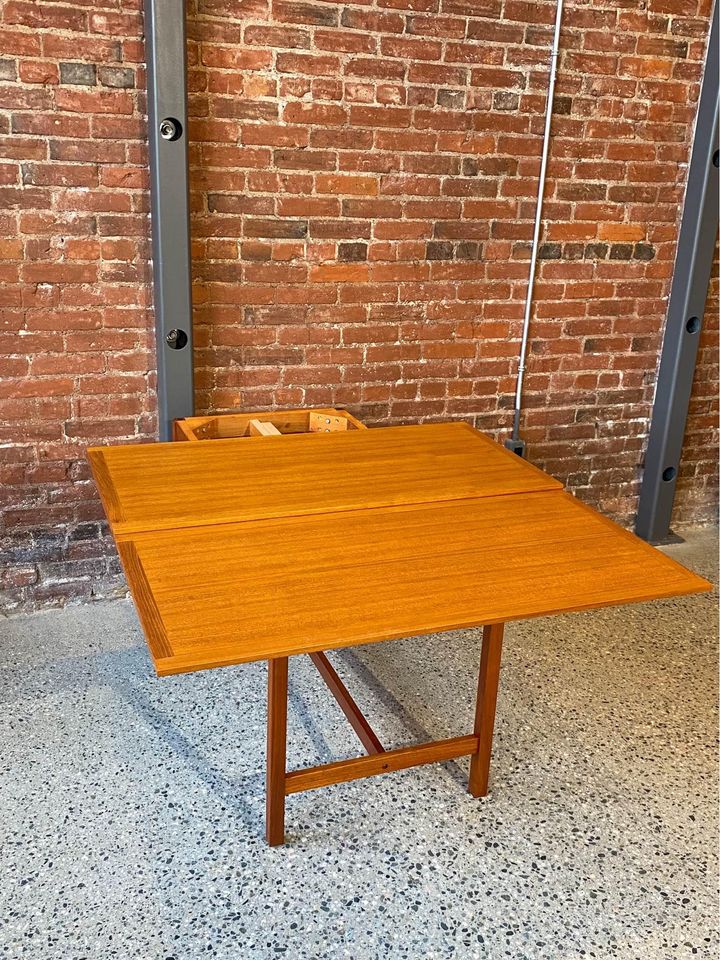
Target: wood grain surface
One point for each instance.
(158, 486)
(358, 768)
(258, 590)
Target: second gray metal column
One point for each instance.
(693, 263)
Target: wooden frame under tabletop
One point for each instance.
(280, 782)
(226, 426)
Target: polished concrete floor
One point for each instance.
(131, 808)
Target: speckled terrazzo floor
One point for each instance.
(131, 808)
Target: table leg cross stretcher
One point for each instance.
(390, 533)
(280, 782)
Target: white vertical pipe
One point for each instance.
(538, 217)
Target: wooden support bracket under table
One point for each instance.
(389, 533)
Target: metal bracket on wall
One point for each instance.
(167, 120)
(693, 263)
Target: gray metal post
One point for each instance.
(167, 119)
(693, 263)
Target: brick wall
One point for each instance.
(75, 321)
(362, 187)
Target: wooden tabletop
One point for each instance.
(212, 596)
(160, 486)
(257, 548)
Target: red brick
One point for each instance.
(346, 185)
(375, 69)
(339, 272)
(342, 42)
(269, 135)
(307, 64)
(437, 74)
(380, 116)
(61, 175)
(95, 101)
(278, 37)
(621, 232)
(38, 71)
(321, 114)
(45, 16)
(411, 49)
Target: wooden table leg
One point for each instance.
(276, 748)
(485, 708)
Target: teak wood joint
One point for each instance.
(258, 428)
(282, 783)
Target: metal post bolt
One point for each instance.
(176, 339)
(170, 129)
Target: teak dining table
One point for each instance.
(264, 547)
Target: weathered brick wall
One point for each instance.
(363, 183)
(76, 349)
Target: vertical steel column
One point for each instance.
(693, 263)
(167, 119)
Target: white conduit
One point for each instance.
(538, 218)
